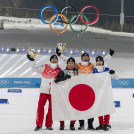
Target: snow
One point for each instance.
(17, 65)
(32, 24)
(19, 116)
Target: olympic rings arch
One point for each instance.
(70, 21)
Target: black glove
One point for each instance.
(60, 77)
(111, 71)
(56, 80)
(58, 52)
(67, 77)
(29, 57)
(111, 52)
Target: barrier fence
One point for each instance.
(35, 83)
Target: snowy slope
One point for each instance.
(32, 24)
(18, 117)
(17, 65)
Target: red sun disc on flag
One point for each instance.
(81, 97)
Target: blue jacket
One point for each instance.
(96, 71)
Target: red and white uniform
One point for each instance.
(48, 75)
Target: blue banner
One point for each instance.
(123, 83)
(117, 103)
(4, 101)
(20, 82)
(35, 83)
(14, 90)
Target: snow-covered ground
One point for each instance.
(18, 117)
(32, 24)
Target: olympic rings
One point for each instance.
(74, 10)
(97, 17)
(124, 83)
(4, 82)
(84, 28)
(71, 20)
(48, 6)
(61, 30)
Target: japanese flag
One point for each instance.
(82, 97)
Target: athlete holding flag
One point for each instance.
(48, 72)
(100, 68)
(69, 71)
(84, 67)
